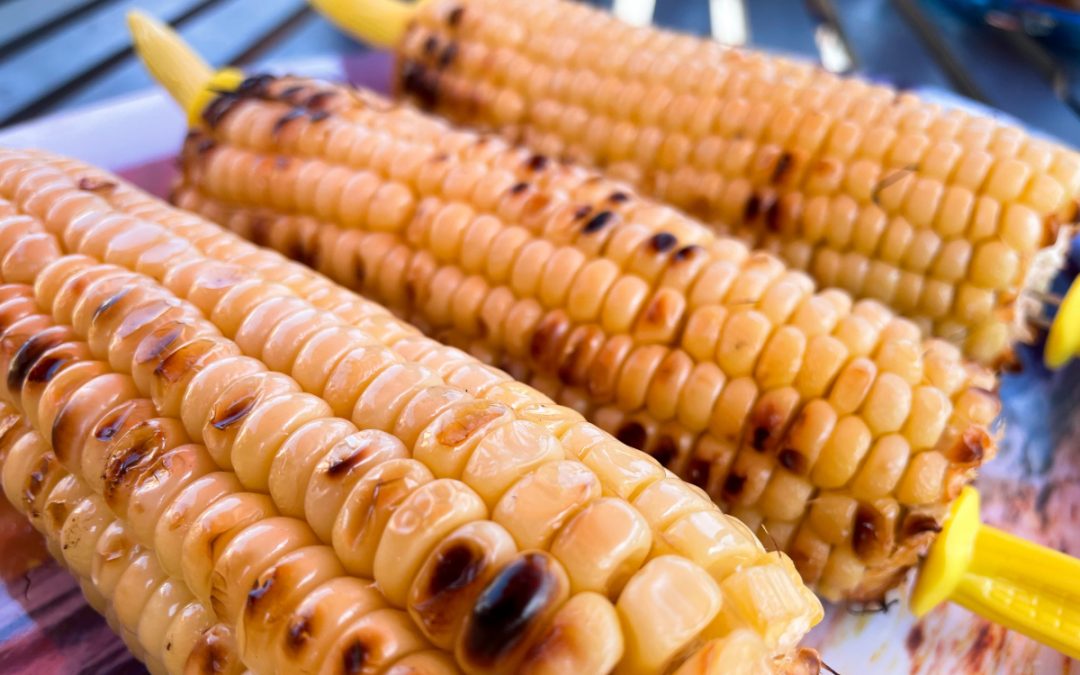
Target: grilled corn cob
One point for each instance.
(832, 429)
(178, 380)
(948, 217)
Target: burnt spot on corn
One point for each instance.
(259, 589)
(784, 164)
(662, 242)
(454, 581)
(549, 338)
(103, 309)
(141, 445)
(598, 222)
(158, 343)
(181, 361)
(752, 208)
(665, 451)
(697, 472)
(460, 425)
(773, 215)
(765, 423)
(292, 114)
(431, 45)
(734, 484)
(455, 568)
(234, 412)
(355, 657)
(454, 16)
(420, 82)
(256, 86)
(792, 460)
(889, 180)
(116, 419)
(297, 632)
(686, 253)
(318, 101)
(342, 462)
(94, 184)
(507, 609)
(868, 534)
(30, 351)
(537, 162)
(971, 447)
(582, 211)
(632, 434)
(211, 652)
(448, 56)
(518, 188)
(618, 197)
(221, 106)
(47, 367)
(291, 94)
(916, 524)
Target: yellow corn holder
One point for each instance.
(1026, 587)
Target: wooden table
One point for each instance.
(57, 54)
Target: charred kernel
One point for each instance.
(598, 222)
(759, 438)
(665, 451)
(288, 94)
(618, 197)
(772, 216)
(162, 342)
(456, 568)
(752, 208)
(506, 608)
(734, 484)
(766, 422)
(90, 184)
(686, 252)
(109, 425)
(454, 16)
(582, 211)
(30, 352)
(792, 460)
(662, 242)
(204, 146)
(783, 165)
(297, 633)
(971, 447)
(47, 368)
(632, 434)
(431, 45)
(465, 425)
(354, 658)
(537, 162)
(919, 523)
(518, 188)
(219, 108)
(698, 472)
(234, 412)
(258, 590)
(256, 85)
(109, 303)
(418, 81)
(294, 113)
(318, 100)
(868, 531)
(448, 55)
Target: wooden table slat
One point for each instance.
(221, 34)
(21, 17)
(59, 59)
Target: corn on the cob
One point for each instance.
(940, 214)
(831, 428)
(441, 543)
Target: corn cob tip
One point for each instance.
(176, 66)
(378, 22)
(1063, 341)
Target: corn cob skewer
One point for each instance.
(952, 219)
(100, 240)
(717, 460)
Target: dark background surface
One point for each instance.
(57, 54)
